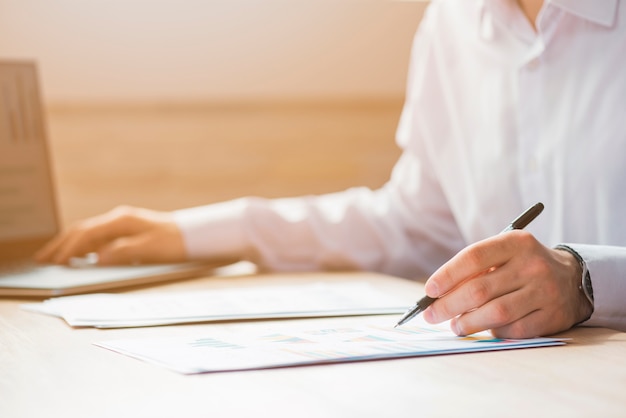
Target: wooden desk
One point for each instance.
(48, 369)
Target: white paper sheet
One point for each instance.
(219, 350)
(149, 309)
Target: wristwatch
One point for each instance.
(585, 281)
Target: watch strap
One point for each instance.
(585, 281)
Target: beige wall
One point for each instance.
(212, 50)
(175, 103)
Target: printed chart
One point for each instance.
(266, 348)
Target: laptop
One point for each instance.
(28, 211)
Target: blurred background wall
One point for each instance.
(175, 103)
(180, 50)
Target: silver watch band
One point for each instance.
(585, 281)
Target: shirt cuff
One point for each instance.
(606, 266)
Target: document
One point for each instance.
(299, 343)
(258, 302)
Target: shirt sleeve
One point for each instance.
(607, 265)
(404, 228)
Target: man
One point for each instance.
(508, 103)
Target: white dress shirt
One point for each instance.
(497, 117)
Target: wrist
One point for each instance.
(581, 279)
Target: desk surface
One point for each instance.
(50, 369)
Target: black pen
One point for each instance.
(519, 223)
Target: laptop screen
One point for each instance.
(28, 215)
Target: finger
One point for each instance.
(53, 251)
(497, 313)
(533, 325)
(46, 253)
(77, 244)
(141, 249)
(474, 260)
(550, 317)
(124, 251)
(92, 234)
(473, 293)
(58, 248)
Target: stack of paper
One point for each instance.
(149, 309)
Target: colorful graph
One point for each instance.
(281, 338)
(366, 338)
(213, 343)
(327, 331)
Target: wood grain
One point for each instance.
(172, 156)
(50, 369)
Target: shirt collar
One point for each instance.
(602, 12)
